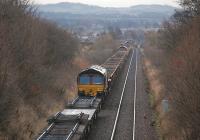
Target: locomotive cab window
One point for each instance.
(97, 80)
(84, 79)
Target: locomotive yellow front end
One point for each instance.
(92, 81)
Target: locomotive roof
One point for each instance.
(95, 68)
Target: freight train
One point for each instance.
(93, 83)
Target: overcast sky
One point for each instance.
(113, 3)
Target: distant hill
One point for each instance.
(66, 7)
(77, 8)
(76, 14)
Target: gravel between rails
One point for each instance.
(103, 126)
(144, 116)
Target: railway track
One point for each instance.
(122, 116)
(76, 120)
(122, 105)
(116, 118)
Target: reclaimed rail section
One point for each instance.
(74, 123)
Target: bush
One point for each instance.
(179, 65)
(35, 56)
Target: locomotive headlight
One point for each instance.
(99, 92)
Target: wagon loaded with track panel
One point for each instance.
(93, 83)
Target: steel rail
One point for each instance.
(135, 96)
(45, 131)
(75, 100)
(75, 127)
(73, 131)
(91, 103)
(48, 129)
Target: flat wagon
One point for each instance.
(70, 124)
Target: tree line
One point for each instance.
(34, 55)
(39, 62)
(179, 41)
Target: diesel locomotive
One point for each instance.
(96, 80)
(93, 81)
